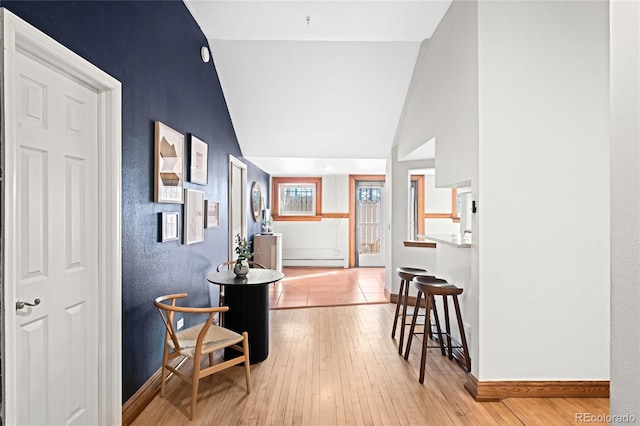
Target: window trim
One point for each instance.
(419, 179)
(275, 198)
(453, 215)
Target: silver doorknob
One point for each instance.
(20, 305)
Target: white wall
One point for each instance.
(544, 190)
(321, 243)
(521, 115)
(443, 103)
(438, 200)
(443, 97)
(398, 180)
(625, 204)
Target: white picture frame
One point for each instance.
(169, 226)
(213, 214)
(199, 161)
(169, 165)
(194, 216)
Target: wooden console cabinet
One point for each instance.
(267, 250)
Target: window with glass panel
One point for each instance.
(297, 198)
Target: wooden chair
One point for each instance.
(196, 341)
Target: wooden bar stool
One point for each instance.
(430, 288)
(406, 274)
(429, 307)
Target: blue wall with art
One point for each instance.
(153, 48)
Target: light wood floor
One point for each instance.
(339, 366)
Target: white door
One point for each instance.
(56, 204)
(369, 235)
(237, 202)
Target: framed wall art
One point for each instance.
(213, 214)
(193, 216)
(169, 165)
(198, 170)
(169, 226)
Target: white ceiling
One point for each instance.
(318, 97)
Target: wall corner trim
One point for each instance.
(487, 391)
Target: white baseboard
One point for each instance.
(319, 263)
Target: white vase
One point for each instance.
(241, 268)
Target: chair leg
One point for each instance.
(463, 336)
(210, 359)
(405, 302)
(413, 325)
(425, 343)
(195, 381)
(438, 328)
(395, 317)
(448, 326)
(163, 373)
(247, 367)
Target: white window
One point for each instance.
(297, 198)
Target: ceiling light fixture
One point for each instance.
(308, 19)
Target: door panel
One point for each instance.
(56, 197)
(237, 203)
(369, 241)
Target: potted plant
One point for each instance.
(243, 250)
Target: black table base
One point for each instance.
(249, 311)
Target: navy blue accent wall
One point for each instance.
(153, 48)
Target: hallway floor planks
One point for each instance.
(339, 366)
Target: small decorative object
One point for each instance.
(243, 250)
(193, 216)
(266, 222)
(199, 161)
(169, 165)
(256, 200)
(168, 226)
(213, 214)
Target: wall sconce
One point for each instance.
(204, 54)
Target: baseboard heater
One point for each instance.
(315, 258)
(336, 262)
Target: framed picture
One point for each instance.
(199, 160)
(193, 216)
(213, 214)
(169, 165)
(169, 229)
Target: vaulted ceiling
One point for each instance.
(316, 87)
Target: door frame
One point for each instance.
(353, 179)
(235, 162)
(18, 35)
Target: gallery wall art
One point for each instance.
(169, 165)
(198, 163)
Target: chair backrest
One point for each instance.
(167, 311)
(228, 266)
